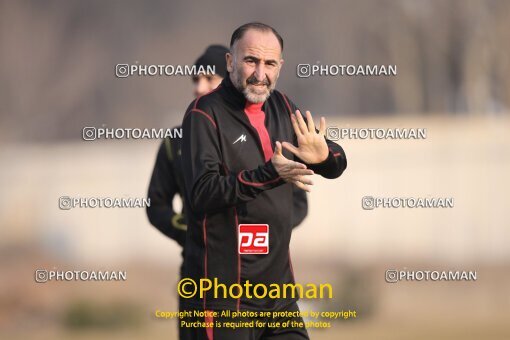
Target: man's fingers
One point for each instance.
(301, 172)
(296, 165)
(301, 186)
(295, 125)
(291, 148)
(322, 127)
(311, 124)
(304, 179)
(300, 179)
(301, 123)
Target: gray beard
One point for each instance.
(256, 98)
(250, 96)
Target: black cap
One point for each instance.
(214, 55)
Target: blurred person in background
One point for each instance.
(167, 181)
(213, 55)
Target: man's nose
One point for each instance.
(260, 72)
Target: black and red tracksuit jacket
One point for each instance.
(228, 183)
(166, 182)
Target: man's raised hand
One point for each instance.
(312, 147)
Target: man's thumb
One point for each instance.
(278, 149)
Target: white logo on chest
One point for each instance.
(241, 138)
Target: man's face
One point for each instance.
(255, 64)
(204, 84)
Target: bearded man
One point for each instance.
(244, 146)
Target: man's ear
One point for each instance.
(281, 62)
(230, 62)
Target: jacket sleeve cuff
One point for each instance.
(325, 166)
(265, 177)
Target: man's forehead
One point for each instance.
(263, 44)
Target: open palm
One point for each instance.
(312, 147)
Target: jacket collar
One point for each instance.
(239, 104)
(233, 95)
